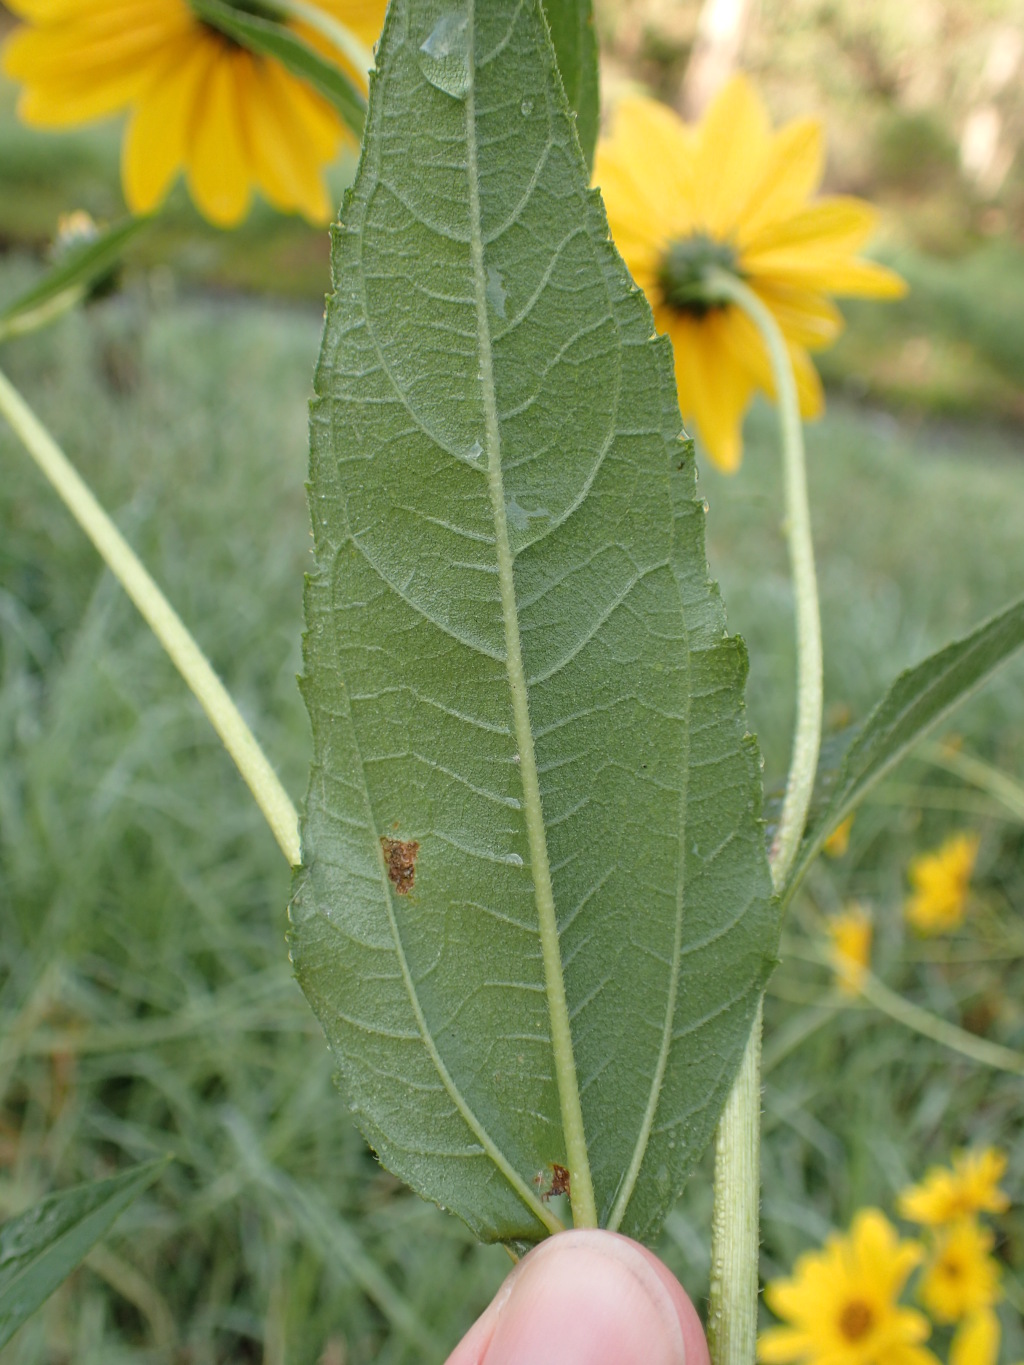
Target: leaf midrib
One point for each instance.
(584, 1206)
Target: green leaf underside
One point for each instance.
(271, 39)
(41, 1247)
(919, 699)
(511, 597)
(571, 25)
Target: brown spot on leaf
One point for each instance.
(400, 858)
(559, 1180)
(552, 1180)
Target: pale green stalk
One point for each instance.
(929, 1025)
(1008, 793)
(732, 1318)
(35, 318)
(581, 1184)
(336, 33)
(162, 619)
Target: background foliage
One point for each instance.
(145, 1001)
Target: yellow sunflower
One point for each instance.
(198, 102)
(961, 1277)
(941, 882)
(850, 933)
(970, 1186)
(838, 842)
(976, 1340)
(842, 1306)
(731, 193)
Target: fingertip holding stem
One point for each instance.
(587, 1298)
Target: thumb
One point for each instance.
(587, 1298)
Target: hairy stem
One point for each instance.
(162, 619)
(732, 1309)
(734, 1240)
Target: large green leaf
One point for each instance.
(919, 699)
(40, 1248)
(534, 885)
(571, 24)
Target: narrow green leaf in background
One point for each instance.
(41, 1247)
(918, 700)
(71, 278)
(534, 916)
(571, 24)
(272, 39)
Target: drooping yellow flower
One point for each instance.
(198, 102)
(850, 934)
(842, 1306)
(970, 1187)
(731, 192)
(961, 1277)
(941, 880)
(838, 841)
(976, 1340)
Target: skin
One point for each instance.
(587, 1298)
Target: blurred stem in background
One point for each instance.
(253, 764)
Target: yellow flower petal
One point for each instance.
(777, 1345)
(645, 168)
(284, 161)
(196, 100)
(976, 1340)
(831, 224)
(217, 157)
(971, 1186)
(156, 142)
(841, 1304)
(961, 1278)
(712, 392)
(791, 174)
(941, 882)
(730, 194)
(806, 318)
(850, 934)
(732, 146)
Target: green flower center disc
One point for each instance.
(685, 270)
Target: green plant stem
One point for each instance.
(21, 324)
(339, 35)
(732, 1322)
(162, 619)
(735, 1240)
(929, 1025)
(979, 774)
(903, 1011)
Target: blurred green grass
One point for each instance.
(146, 1002)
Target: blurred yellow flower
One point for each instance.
(976, 1340)
(946, 1195)
(960, 1277)
(733, 194)
(850, 935)
(197, 101)
(941, 880)
(838, 841)
(842, 1303)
